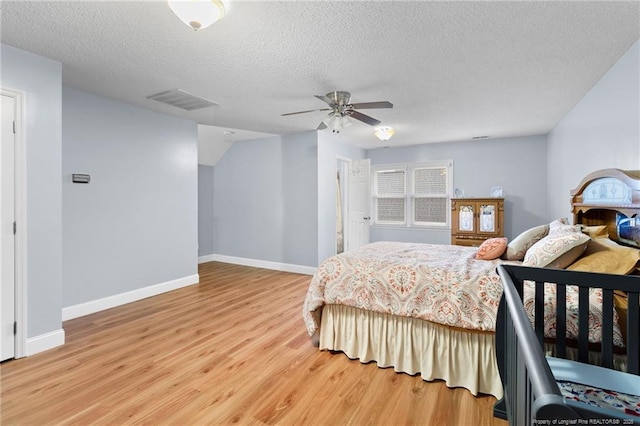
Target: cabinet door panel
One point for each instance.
(466, 216)
(487, 218)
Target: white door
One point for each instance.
(359, 199)
(7, 217)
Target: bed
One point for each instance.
(542, 389)
(432, 309)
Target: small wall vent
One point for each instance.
(181, 99)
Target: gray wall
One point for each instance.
(40, 79)
(136, 223)
(602, 131)
(518, 165)
(205, 210)
(265, 200)
(329, 148)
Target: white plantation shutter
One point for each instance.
(391, 183)
(430, 211)
(430, 196)
(389, 196)
(390, 210)
(412, 194)
(428, 181)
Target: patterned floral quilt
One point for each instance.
(572, 296)
(439, 283)
(443, 284)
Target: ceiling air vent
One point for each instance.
(181, 99)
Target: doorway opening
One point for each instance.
(342, 204)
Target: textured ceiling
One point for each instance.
(453, 70)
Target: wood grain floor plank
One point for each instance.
(230, 350)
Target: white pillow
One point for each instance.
(559, 222)
(559, 249)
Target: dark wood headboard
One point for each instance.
(610, 197)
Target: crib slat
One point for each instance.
(539, 312)
(633, 338)
(607, 329)
(561, 321)
(583, 324)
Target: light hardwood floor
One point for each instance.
(232, 349)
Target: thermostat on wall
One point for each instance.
(80, 178)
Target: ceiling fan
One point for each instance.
(341, 109)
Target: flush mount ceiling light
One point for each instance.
(384, 133)
(198, 13)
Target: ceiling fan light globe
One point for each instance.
(336, 122)
(345, 122)
(198, 14)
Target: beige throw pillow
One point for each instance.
(517, 248)
(596, 231)
(606, 256)
(559, 249)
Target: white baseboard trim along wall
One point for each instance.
(207, 258)
(266, 264)
(97, 305)
(44, 342)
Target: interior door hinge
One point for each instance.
(14, 127)
(15, 327)
(15, 227)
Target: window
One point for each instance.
(412, 194)
(390, 197)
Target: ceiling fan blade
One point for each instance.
(321, 126)
(303, 112)
(372, 105)
(364, 118)
(323, 98)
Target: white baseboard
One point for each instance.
(44, 342)
(207, 258)
(256, 263)
(98, 305)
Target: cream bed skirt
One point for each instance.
(461, 358)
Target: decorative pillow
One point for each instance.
(597, 231)
(562, 228)
(606, 256)
(491, 248)
(559, 249)
(569, 257)
(517, 248)
(559, 222)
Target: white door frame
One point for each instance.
(20, 207)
